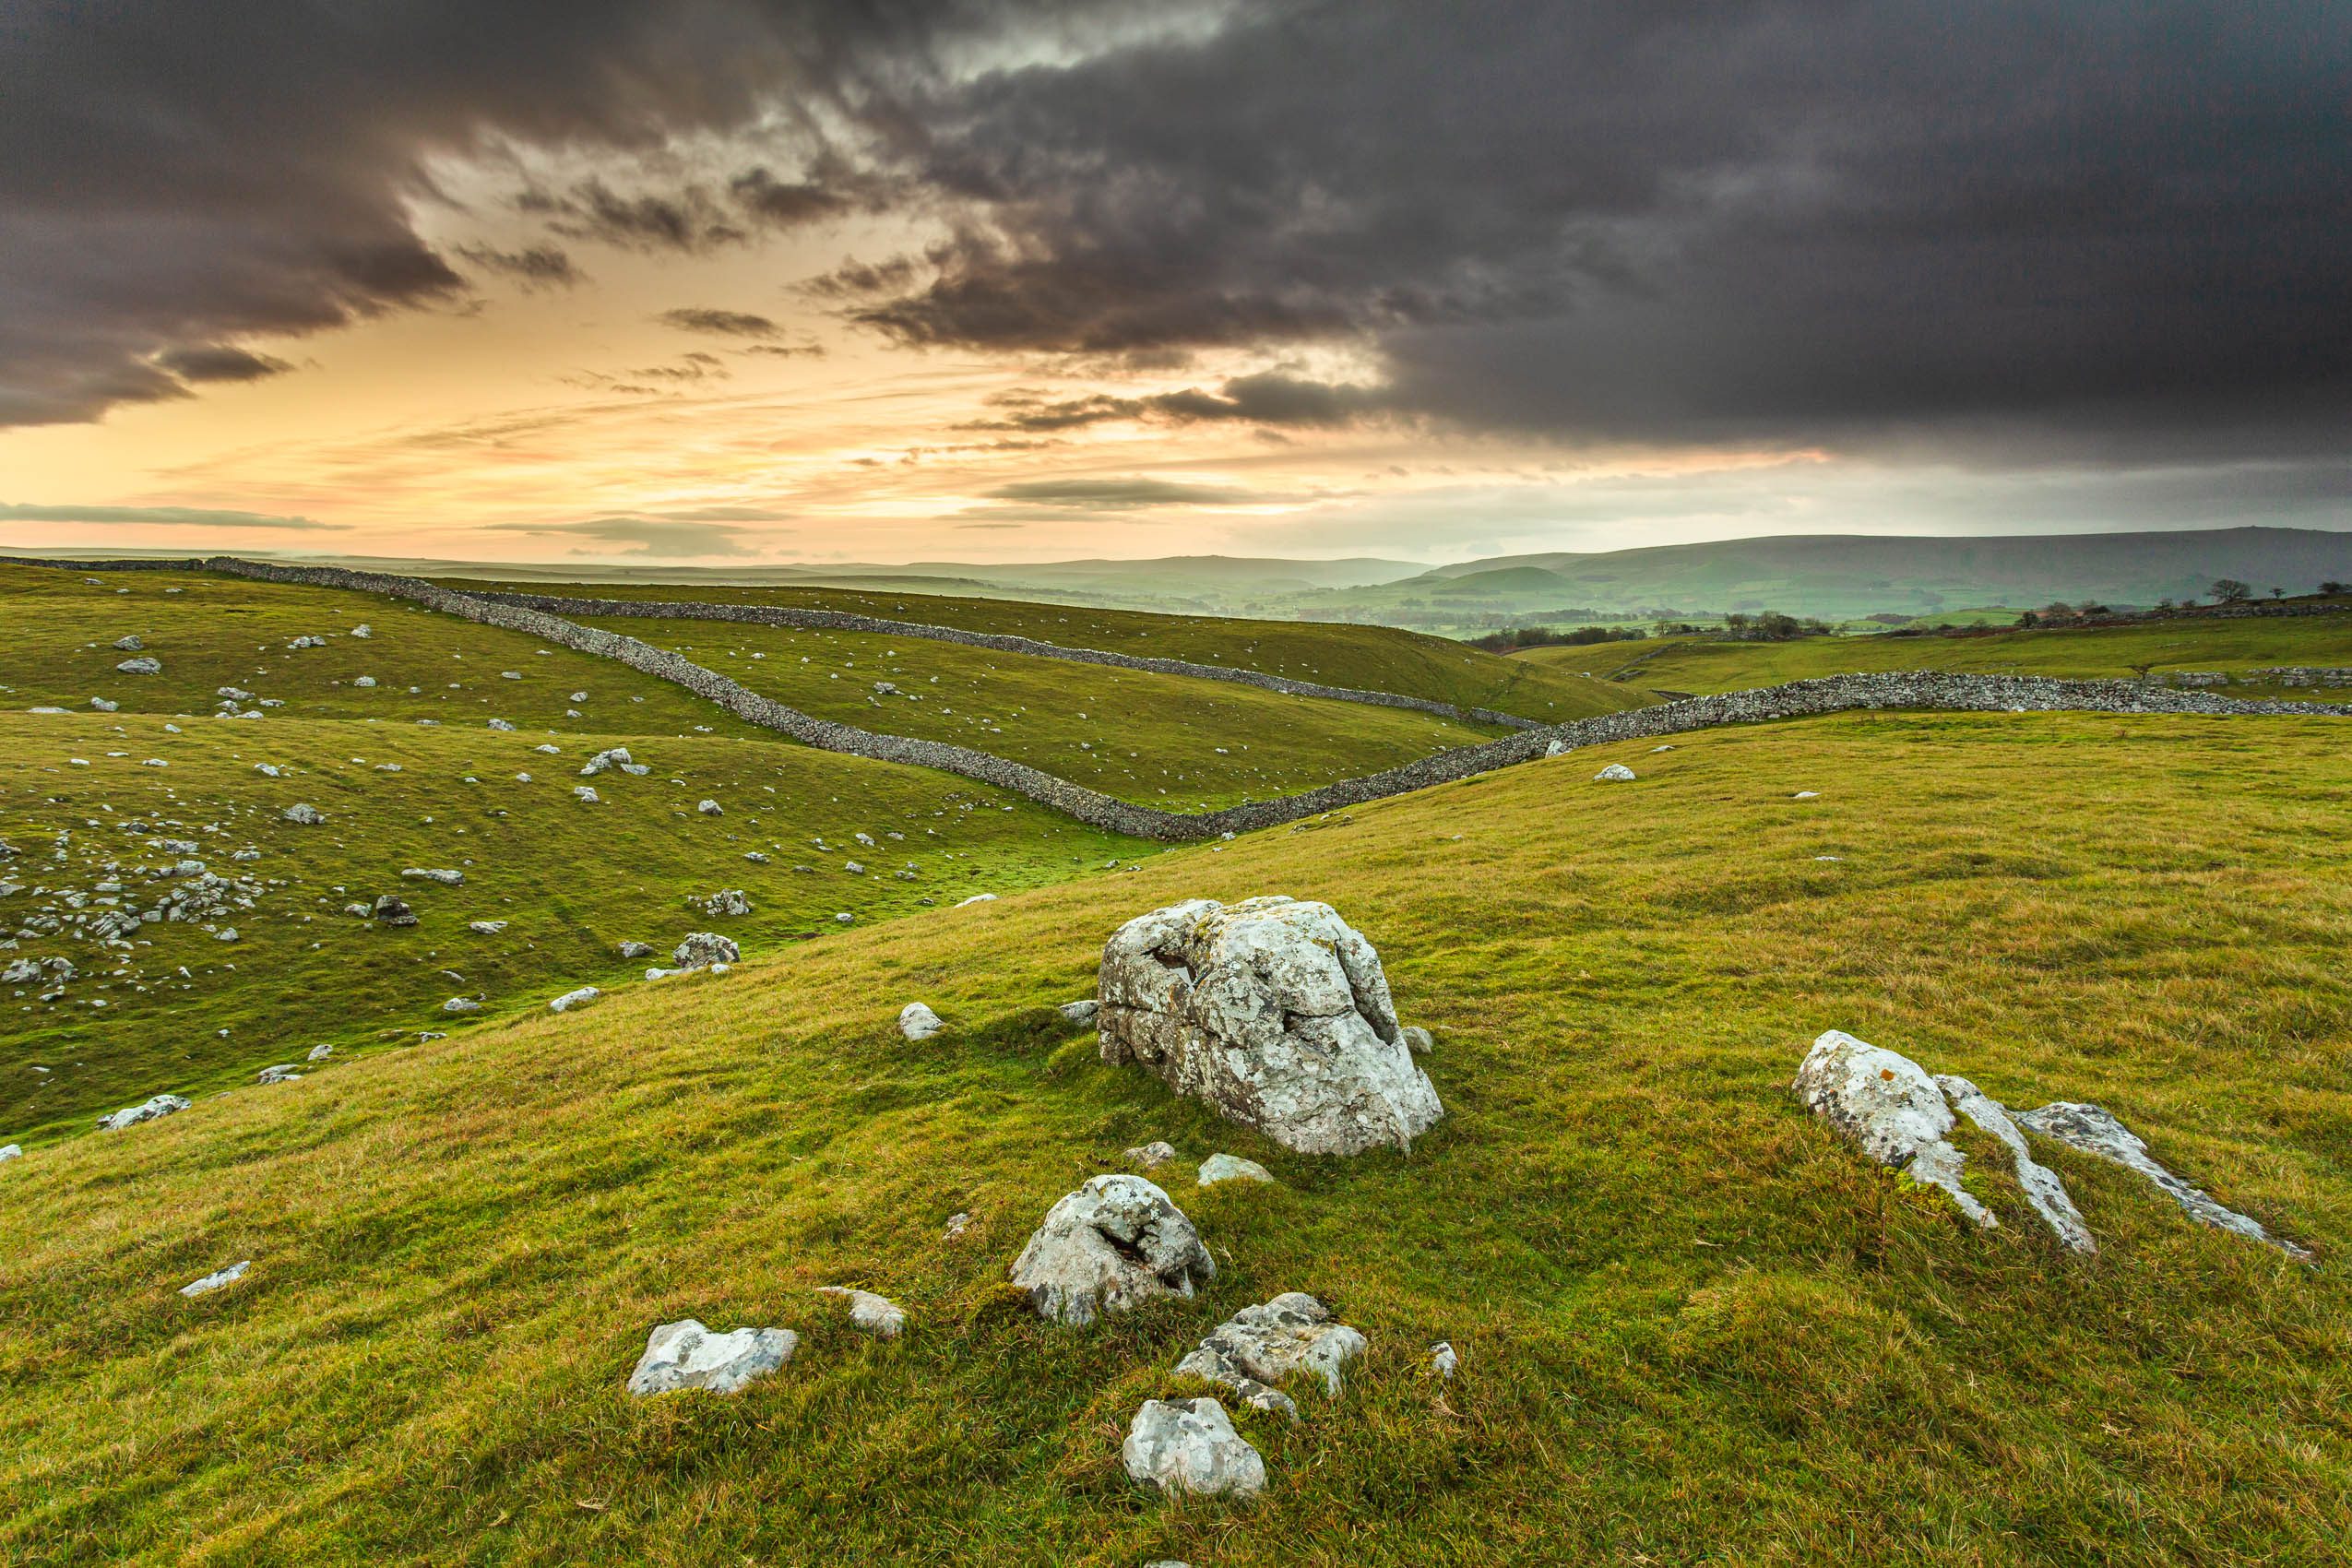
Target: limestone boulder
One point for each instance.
(1273, 1010)
(919, 1022)
(146, 1110)
(687, 1355)
(1887, 1104)
(1256, 1349)
(1190, 1445)
(1112, 1245)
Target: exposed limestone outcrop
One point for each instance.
(2094, 1130)
(1112, 1245)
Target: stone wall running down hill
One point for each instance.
(844, 621)
(1930, 690)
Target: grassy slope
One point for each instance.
(1147, 737)
(1682, 1334)
(573, 880)
(1371, 658)
(2092, 652)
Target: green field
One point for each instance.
(1377, 658)
(2087, 653)
(1692, 1323)
(1169, 741)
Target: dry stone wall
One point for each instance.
(1931, 690)
(843, 621)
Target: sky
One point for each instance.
(761, 282)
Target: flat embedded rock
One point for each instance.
(1080, 1013)
(1190, 1445)
(2094, 1129)
(215, 1280)
(443, 875)
(461, 1004)
(141, 666)
(1276, 1011)
(1258, 1347)
(877, 1315)
(1231, 1168)
(283, 1073)
(146, 1111)
(2044, 1190)
(572, 999)
(1151, 1154)
(1615, 773)
(919, 1022)
(1115, 1243)
(485, 928)
(687, 1355)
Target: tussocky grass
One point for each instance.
(1693, 1325)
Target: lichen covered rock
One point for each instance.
(1112, 1245)
(1273, 1010)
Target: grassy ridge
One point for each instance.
(2087, 653)
(1692, 1323)
(1166, 740)
(1379, 659)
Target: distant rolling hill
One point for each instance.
(1833, 575)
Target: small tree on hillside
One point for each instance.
(2330, 587)
(2229, 590)
(2279, 593)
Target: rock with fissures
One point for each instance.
(2043, 1189)
(1112, 1245)
(2094, 1130)
(1887, 1104)
(687, 1355)
(1189, 1445)
(1257, 1347)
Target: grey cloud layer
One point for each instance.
(2077, 225)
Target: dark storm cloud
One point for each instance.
(725, 323)
(534, 266)
(1271, 399)
(219, 361)
(2073, 224)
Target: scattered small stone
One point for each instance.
(1190, 1445)
(141, 666)
(1441, 1359)
(636, 949)
(1615, 773)
(844, 917)
(485, 928)
(875, 1315)
(1080, 1013)
(102, 705)
(919, 1022)
(572, 999)
(284, 1073)
(364, 680)
(307, 815)
(726, 901)
(957, 1225)
(501, 724)
(1420, 1038)
(130, 643)
(1152, 1154)
(146, 1111)
(321, 1052)
(11, 1151)
(393, 911)
(362, 631)
(1806, 795)
(1115, 1243)
(712, 808)
(977, 898)
(212, 1282)
(465, 1005)
(586, 794)
(1260, 1346)
(447, 878)
(1231, 1168)
(687, 1355)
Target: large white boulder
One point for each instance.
(1258, 1347)
(1190, 1445)
(687, 1355)
(2094, 1129)
(1112, 1245)
(1273, 1010)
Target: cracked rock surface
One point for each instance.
(1886, 1103)
(1258, 1347)
(1112, 1245)
(2043, 1188)
(2094, 1130)
(1273, 1010)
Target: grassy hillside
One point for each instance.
(2089, 653)
(1371, 658)
(1692, 1323)
(1169, 741)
